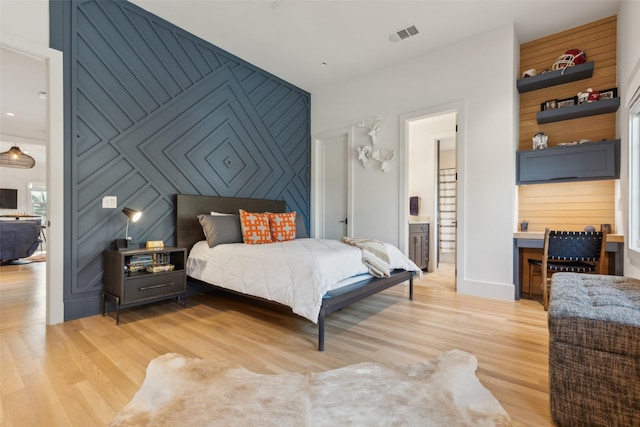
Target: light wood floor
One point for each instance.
(82, 372)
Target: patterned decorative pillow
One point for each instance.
(255, 227)
(283, 226)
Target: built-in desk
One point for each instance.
(532, 239)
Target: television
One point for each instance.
(8, 198)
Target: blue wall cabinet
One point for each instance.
(581, 162)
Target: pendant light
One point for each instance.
(14, 158)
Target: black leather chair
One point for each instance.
(18, 239)
(568, 251)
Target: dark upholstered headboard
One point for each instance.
(188, 207)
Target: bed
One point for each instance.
(221, 265)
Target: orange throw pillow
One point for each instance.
(283, 226)
(255, 227)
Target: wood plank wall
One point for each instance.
(569, 206)
(547, 205)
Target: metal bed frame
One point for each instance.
(189, 231)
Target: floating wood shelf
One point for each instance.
(554, 78)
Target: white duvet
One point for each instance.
(296, 273)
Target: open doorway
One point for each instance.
(54, 179)
(446, 201)
(431, 181)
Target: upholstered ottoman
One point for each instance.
(594, 350)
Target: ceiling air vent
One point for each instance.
(402, 34)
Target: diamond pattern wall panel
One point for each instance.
(155, 111)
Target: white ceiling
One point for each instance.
(292, 38)
(22, 78)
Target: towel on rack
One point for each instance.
(413, 205)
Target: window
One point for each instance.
(39, 200)
(634, 178)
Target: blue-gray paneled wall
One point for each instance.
(152, 111)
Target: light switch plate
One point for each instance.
(110, 202)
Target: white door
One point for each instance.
(332, 189)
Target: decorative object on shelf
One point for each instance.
(609, 93)
(367, 152)
(529, 73)
(524, 226)
(570, 58)
(588, 95)
(580, 141)
(551, 104)
(582, 97)
(155, 244)
(540, 141)
(127, 242)
(567, 102)
(15, 158)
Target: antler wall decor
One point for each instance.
(367, 152)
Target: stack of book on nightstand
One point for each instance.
(139, 262)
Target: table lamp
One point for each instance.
(127, 242)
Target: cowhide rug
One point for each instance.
(179, 391)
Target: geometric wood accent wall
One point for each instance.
(569, 206)
(155, 111)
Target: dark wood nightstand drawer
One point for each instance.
(153, 285)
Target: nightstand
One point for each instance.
(140, 276)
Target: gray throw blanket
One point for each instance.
(374, 255)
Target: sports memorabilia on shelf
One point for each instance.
(568, 102)
(570, 58)
(609, 93)
(540, 141)
(589, 95)
(551, 104)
